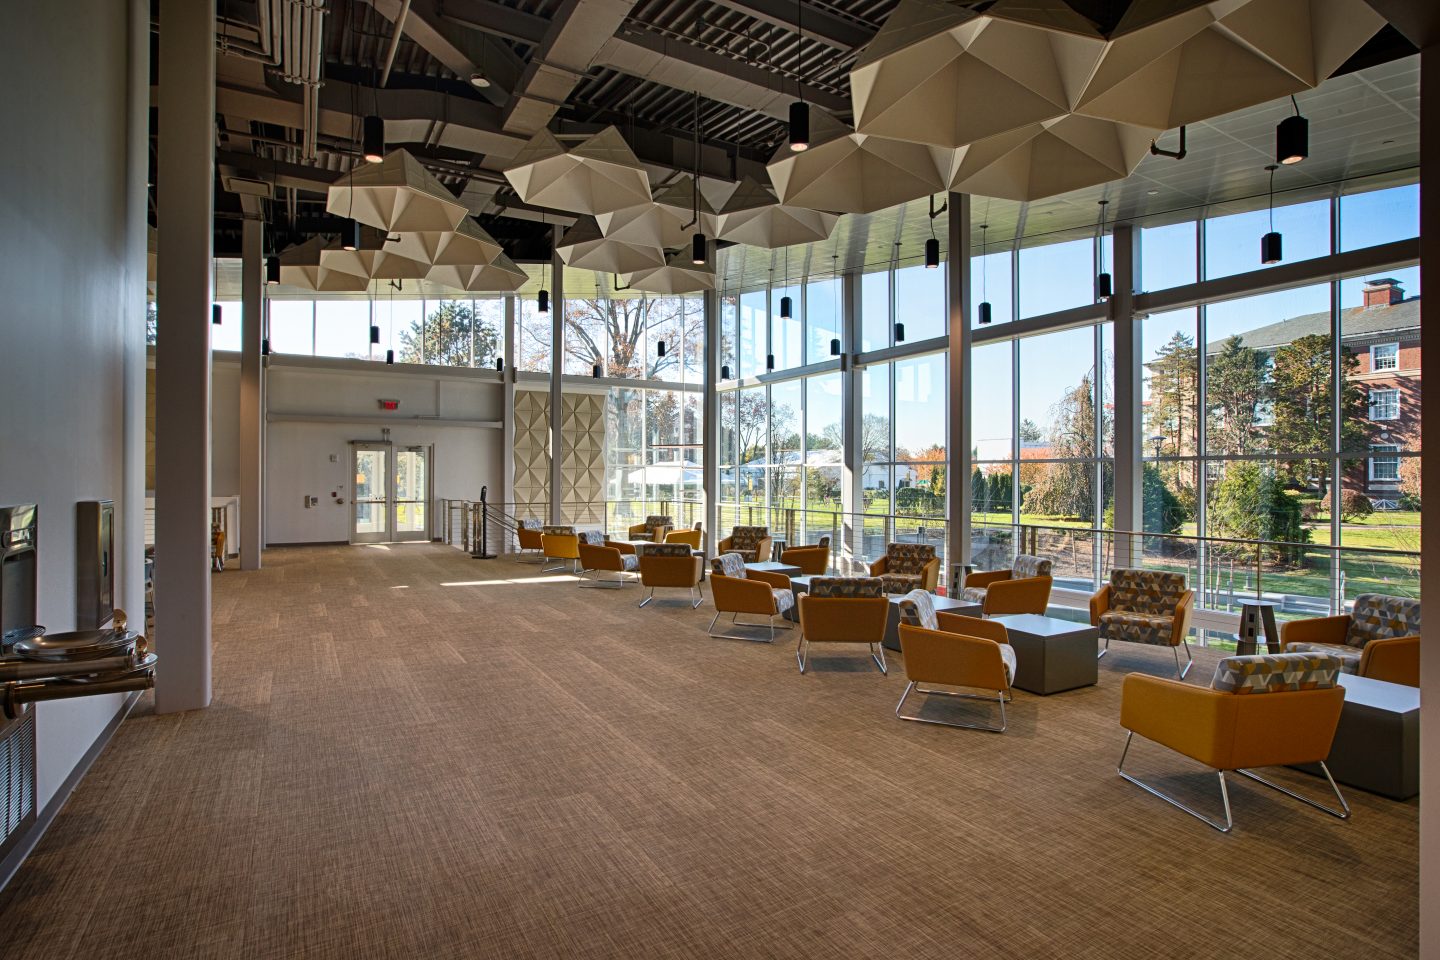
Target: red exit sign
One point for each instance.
(389, 404)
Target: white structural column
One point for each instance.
(252, 393)
(507, 427)
(1129, 469)
(1430, 532)
(710, 451)
(131, 508)
(184, 204)
(852, 498)
(557, 377)
(958, 441)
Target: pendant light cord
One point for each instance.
(984, 263)
(1272, 169)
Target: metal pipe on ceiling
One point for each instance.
(394, 42)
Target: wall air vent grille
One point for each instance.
(17, 779)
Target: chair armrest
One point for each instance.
(985, 578)
(1027, 595)
(1195, 721)
(1396, 660)
(778, 580)
(596, 557)
(723, 546)
(734, 595)
(930, 575)
(992, 630)
(762, 549)
(1100, 603)
(878, 567)
(622, 547)
(1180, 626)
(1315, 630)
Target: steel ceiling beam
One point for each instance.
(821, 24)
(462, 51)
(577, 31)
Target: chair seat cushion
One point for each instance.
(900, 582)
(1136, 627)
(1348, 656)
(784, 600)
(973, 594)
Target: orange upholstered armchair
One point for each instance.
(690, 538)
(813, 559)
(1259, 711)
(598, 559)
(1024, 588)
(527, 538)
(953, 651)
(737, 591)
(752, 543)
(908, 566)
(844, 610)
(560, 543)
(1145, 606)
(671, 565)
(1380, 639)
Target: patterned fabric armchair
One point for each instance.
(813, 559)
(654, 528)
(560, 543)
(671, 565)
(1024, 588)
(527, 537)
(752, 543)
(1380, 639)
(1145, 606)
(908, 566)
(954, 651)
(598, 559)
(737, 591)
(844, 610)
(1259, 711)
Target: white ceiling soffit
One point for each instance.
(940, 74)
(467, 245)
(848, 172)
(1049, 158)
(397, 194)
(372, 264)
(678, 275)
(502, 275)
(301, 266)
(585, 247)
(755, 217)
(598, 174)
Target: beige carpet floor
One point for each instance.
(413, 754)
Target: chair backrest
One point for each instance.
(847, 587)
(729, 565)
(917, 608)
(1026, 566)
(1151, 592)
(688, 537)
(1276, 673)
(824, 542)
(1380, 617)
(557, 531)
(596, 537)
(667, 550)
(659, 520)
(532, 523)
(747, 538)
(908, 558)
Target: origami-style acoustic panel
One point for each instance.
(1056, 156)
(848, 172)
(397, 195)
(466, 245)
(500, 275)
(373, 264)
(300, 266)
(667, 222)
(585, 247)
(679, 275)
(752, 215)
(596, 175)
(1221, 56)
(940, 74)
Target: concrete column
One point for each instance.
(185, 206)
(252, 395)
(557, 368)
(1129, 505)
(130, 509)
(958, 441)
(711, 404)
(852, 476)
(507, 426)
(1430, 532)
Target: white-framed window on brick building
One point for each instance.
(1384, 463)
(1385, 404)
(1385, 356)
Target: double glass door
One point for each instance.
(392, 493)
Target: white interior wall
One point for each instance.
(73, 325)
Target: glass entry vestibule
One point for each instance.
(392, 492)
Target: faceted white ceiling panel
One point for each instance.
(585, 247)
(679, 275)
(1049, 158)
(396, 195)
(598, 174)
(754, 216)
(500, 275)
(301, 266)
(467, 245)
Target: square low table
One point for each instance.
(1052, 655)
(775, 566)
(1377, 742)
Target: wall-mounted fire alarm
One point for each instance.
(389, 404)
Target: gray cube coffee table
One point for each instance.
(1377, 744)
(1052, 655)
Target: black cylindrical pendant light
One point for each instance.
(374, 333)
(390, 357)
(697, 249)
(350, 235)
(500, 364)
(272, 270)
(932, 253)
(799, 126)
(660, 349)
(595, 371)
(542, 302)
(725, 372)
(787, 308)
(899, 333)
(1104, 287)
(1270, 248)
(769, 361)
(265, 347)
(835, 346)
(216, 315)
(984, 312)
(373, 139)
(1292, 138)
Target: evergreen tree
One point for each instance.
(443, 337)
(1235, 398)
(1067, 489)
(1302, 386)
(1250, 503)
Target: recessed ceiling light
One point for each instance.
(478, 79)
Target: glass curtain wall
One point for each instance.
(462, 332)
